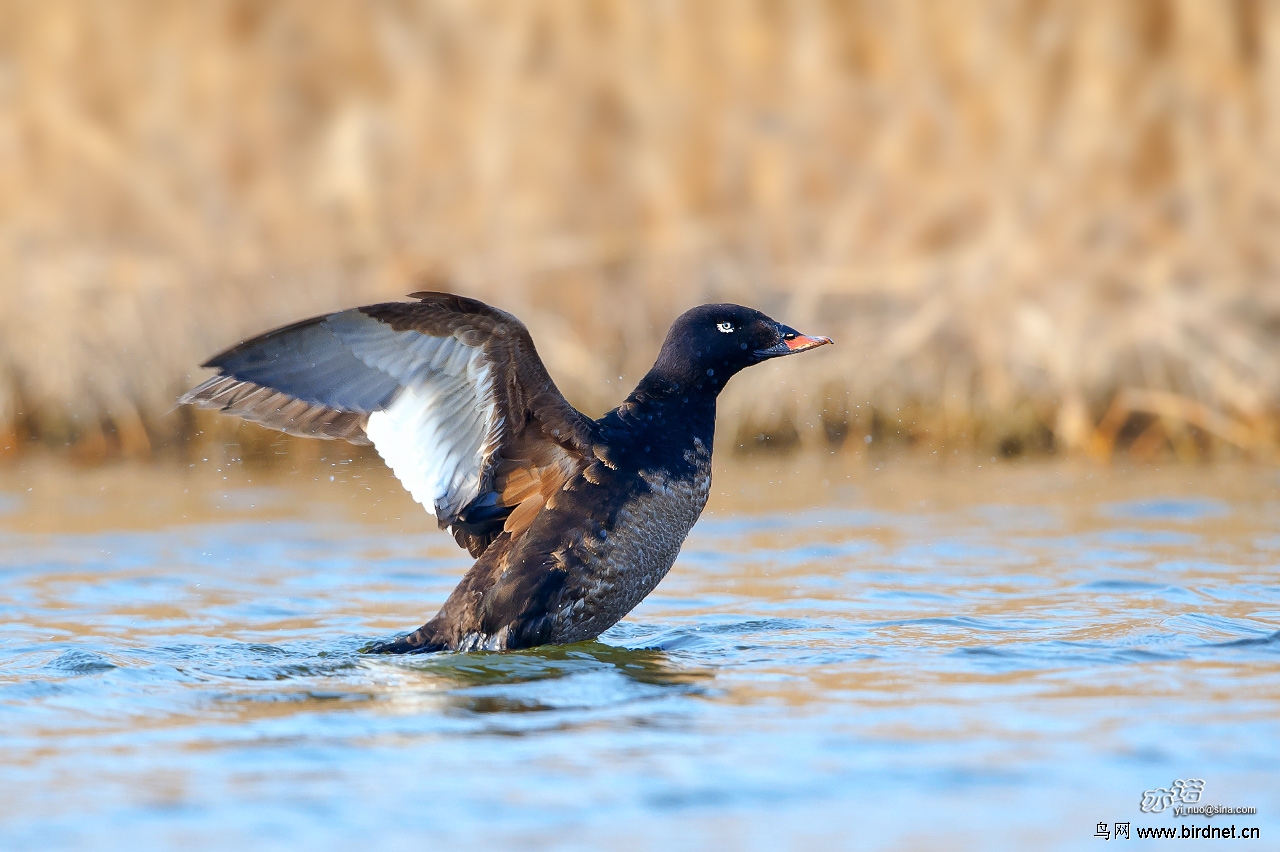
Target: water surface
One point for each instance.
(846, 655)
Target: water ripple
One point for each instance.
(996, 660)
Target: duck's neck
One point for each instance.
(664, 417)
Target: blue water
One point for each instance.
(846, 656)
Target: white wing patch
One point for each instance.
(438, 433)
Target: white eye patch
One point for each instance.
(726, 327)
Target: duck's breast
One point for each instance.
(616, 564)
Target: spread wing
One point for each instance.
(449, 390)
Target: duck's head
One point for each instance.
(708, 344)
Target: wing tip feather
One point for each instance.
(276, 410)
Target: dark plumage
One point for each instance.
(572, 521)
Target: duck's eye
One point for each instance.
(726, 327)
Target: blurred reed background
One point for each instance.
(1030, 226)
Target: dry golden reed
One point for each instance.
(1028, 225)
